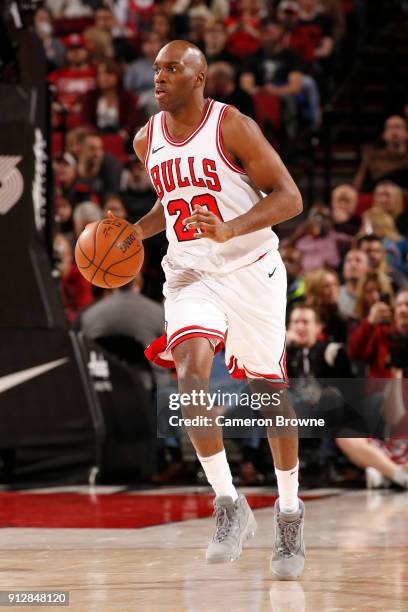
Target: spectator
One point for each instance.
(75, 78)
(344, 200)
(63, 217)
(216, 9)
(221, 85)
(322, 291)
(74, 140)
(310, 361)
(65, 173)
(372, 246)
(105, 20)
(273, 69)
(100, 44)
(355, 268)
(162, 26)
(98, 172)
(372, 343)
(295, 36)
(73, 8)
(136, 189)
(388, 162)
(215, 42)
(334, 10)
(372, 287)
(377, 221)
(319, 28)
(139, 76)
(76, 290)
(115, 204)
(292, 259)
(317, 241)
(84, 213)
(390, 197)
(243, 29)
(379, 466)
(126, 312)
(309, 356)
(53, 47)
(109, 108)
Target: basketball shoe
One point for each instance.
(288, 553)
(235, 523)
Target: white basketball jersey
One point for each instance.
(195, 171)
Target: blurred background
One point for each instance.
(326, 81)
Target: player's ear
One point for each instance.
(200, 78)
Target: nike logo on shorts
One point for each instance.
(270, 274)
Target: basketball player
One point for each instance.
(220, 188)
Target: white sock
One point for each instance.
(288, 484)
(218, 474)
(401, 476)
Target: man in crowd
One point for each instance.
(344, 200)
(221, 85)
(355, 267)
(105, 20)
(387, 162)
(98, 172)
(76, 77)
(296, 36)
(138, 77)
(215, 41)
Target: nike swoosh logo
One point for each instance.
(158, 149)
(13, 380)
(270, 274)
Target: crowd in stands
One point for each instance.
(346, 259)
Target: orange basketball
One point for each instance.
(109, 253)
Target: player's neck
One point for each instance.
(182, 121)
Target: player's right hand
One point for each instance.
(137, 226)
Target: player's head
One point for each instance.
(180, 69)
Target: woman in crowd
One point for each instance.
(110, 108)
(377, 221)
(321, 290)
(372, 288)
(390, 197)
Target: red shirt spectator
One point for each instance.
(76, 292)
(243, 29)
(371, 343)
(76, 77)
(295, 36)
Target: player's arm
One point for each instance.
(154, 222)
(245, 142)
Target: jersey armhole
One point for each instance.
(149, 137)
(220, 145)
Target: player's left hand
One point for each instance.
(210, 225)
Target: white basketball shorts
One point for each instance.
(243, 310)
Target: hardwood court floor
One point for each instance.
(357, 559)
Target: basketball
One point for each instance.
(109, 253)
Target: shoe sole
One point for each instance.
(248, 534)
(286, 576)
